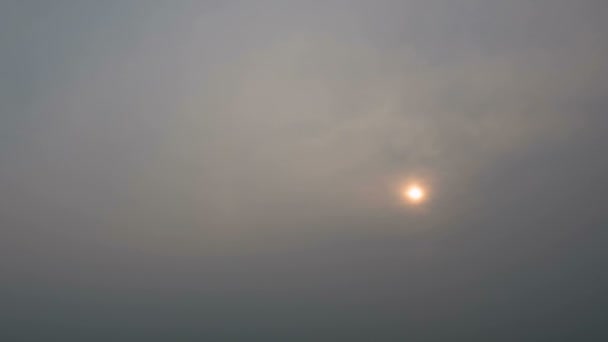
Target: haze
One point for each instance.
(230, 170)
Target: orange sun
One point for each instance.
(414, 193)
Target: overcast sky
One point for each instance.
(230, 170)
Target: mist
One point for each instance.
(231, 170)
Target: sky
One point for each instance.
(231, 170)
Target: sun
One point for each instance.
(414, 193)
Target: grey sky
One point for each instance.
(227, 170)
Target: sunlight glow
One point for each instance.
(414, 193)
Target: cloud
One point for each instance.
(216, 130)
(237, 160)
(312, 126)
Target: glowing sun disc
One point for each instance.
(414, 193)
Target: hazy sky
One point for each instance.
(230, 170)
